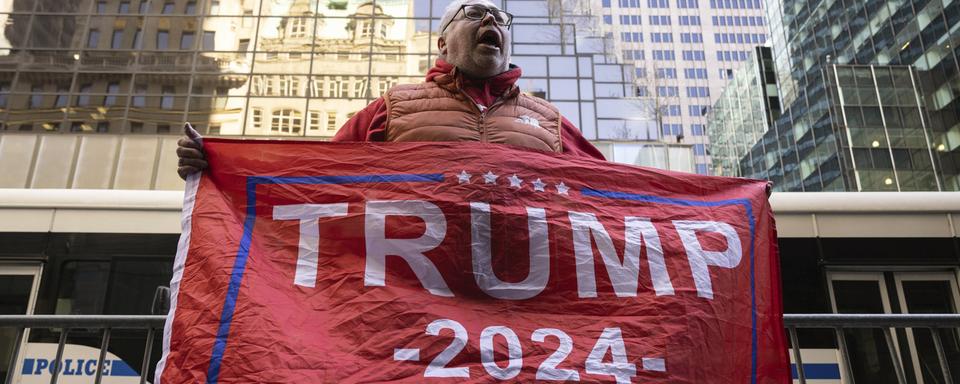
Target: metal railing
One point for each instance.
(792, 322)
(841, 322)
(68, 322)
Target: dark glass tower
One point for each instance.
(870, 93)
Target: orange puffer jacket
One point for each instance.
(441, 111)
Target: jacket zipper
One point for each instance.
(482, 113)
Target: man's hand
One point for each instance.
(190, 153)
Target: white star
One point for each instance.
(562, 189)
(463, 177)
(538, 185)
(489, 178)
(515, 181)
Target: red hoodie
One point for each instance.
(370, 123)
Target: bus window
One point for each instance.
(83, 287)
(133, 283)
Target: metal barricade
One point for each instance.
(68, 322)
(792, 322)
(840, 322)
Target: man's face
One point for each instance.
(478, 48)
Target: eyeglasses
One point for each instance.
(478, 12)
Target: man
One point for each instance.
(469, 95)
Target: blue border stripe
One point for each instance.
(753, 296)
(410, 178)
(240, 263)
(698, 203)
(660, 200)
(233, 290)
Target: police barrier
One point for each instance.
(66, 363)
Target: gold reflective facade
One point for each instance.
(230, 67)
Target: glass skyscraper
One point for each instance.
(870, 93)
(93, 92)
(749, 102)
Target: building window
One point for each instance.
(4, 90)
(360, 87)
(698, 110)
(689, 20)
(124, 7)
(691, 38)
(695, 73)
(668, 91)
(167, 8)
(166, 99)
(163, 128)
(314, 123)
(214, 129)
(331, 120)
(698, 92)
(699, 150)
(143, 6)
(136, 127)
(664, 37)
(659, 20)
(366, 29)
(61, 100)
(209, 40)
(298, 27)
(256, 118)
(286, 121)
(244, 45)
(186, 41)
(163, 39)
(93, 38)
(663, 55)
(103, 127)
(315, 87)
(137, 38)
(84, 98)
(101, 7)
(112, 89)
(191, 8)
(140, 98)
(117, 40)
(214, 7)
(666, 73)
(693, 55)
(289, 85)
(36, 97)
(672, 129)
(268, 85)
(386, 84)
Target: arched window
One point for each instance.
(286, 121)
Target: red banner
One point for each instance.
(306, 262)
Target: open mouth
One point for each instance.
(490, 38)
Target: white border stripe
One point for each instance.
(186, 220)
